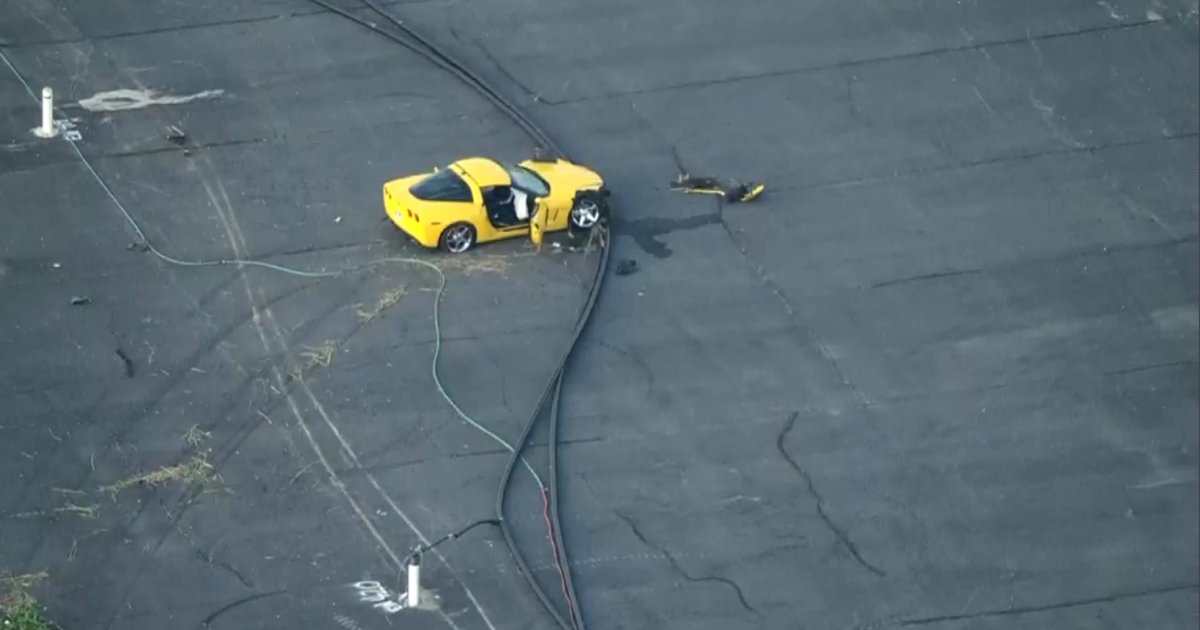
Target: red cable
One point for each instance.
(562, 579)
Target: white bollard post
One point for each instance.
(47, 129)
(414, 581)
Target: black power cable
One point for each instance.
(552, 394)
(420, 549)
(574, 610)
(553, 391)
(439, 58)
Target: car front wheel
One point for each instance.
(458, 238)
(588, 210)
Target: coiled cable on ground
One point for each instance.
(553, 391)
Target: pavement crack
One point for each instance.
(675, 157)
(636, 359)
(234, 604)
(190, 26)
(1058, 150)
(237, 574)
(637, 532)
(1144, 368)
(718, 218)
(836, 529)
(504, 402)
(665, 553)
(864, 62)
(321, 248)
(207, 558)
(1021, 610)
(925, 276)
(183, 149)
(761, 274)
(164, 30)
(1032, 260)
(716, 578)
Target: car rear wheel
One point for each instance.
(587, 211)
(458, 238)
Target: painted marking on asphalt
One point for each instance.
(377, 595)
(123, 99)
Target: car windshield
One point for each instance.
(527, 180)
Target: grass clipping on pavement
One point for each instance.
(18, 609)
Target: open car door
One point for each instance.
(537, 223)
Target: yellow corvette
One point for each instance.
(477, 200)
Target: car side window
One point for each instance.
(444, 185)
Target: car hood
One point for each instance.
(564, 174)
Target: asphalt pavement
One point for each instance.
(942, 374)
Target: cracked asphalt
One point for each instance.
(942, 374)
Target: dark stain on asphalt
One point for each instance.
(647, 232)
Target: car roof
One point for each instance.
(485, 171)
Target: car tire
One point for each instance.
(457, 238)
(590, 208)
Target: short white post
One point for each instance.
(414, 581)
(47, 129)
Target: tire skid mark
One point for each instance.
(260, 318)
(152, 403)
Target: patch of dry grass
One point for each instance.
(321, 355)
(387, 300)
(195, 437)
(18, 609)
(18, 585)
(86, 511)
(194, 470)
(481, 263)
(314, 357)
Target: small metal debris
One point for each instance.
(56, 265)
(176, 135)
(80, 299)
(338, 220)
(626, 267)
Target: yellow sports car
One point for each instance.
(477, 200)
